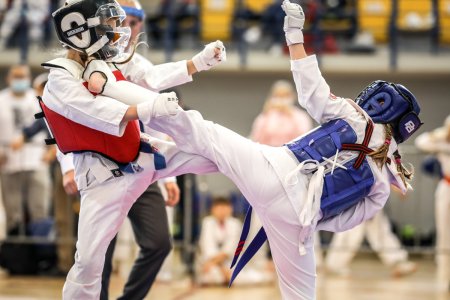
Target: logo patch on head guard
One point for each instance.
(407, 125)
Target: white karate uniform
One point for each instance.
(105, 199)
(378, 232)
(435, 142)
(260, 173)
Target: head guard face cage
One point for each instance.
(85, 26)
(389, 103)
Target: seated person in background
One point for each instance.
(219, 235)
(218, 238)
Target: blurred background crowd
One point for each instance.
(358, 41)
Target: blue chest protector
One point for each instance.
(343, 188)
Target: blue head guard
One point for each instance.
(390, 103)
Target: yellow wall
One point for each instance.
(216, 17)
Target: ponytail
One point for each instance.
(404, 173)
(380, 157)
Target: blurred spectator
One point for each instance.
(167, 21)
(218, 239)
(219, 235)
(178, 11)
(64, 205)
(155, 18)
(28, 17)
(438, 143)
(280, 121)
(383, 241)
(38, 125)
(24, 177)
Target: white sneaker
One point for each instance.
(404, 268)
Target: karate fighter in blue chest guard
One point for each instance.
(332, 178)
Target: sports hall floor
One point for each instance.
(369, 280)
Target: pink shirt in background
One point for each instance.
(276, 127)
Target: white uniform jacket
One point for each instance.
(315, 96)
(66, 95)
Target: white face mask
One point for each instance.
(20, 85)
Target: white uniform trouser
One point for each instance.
(244, 163)
(378, 232)
(105, 205)
(443, 231)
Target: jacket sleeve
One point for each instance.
(65, 161)
(156, 77)
(314, 93)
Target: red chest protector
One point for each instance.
(74, 137)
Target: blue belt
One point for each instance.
(158, 159)
(252, 248)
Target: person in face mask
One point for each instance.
(19, 80)
(24, 177)
(280, 121)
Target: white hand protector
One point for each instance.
(293, 22)
(165, 104)
(213, 54)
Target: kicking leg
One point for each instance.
(235, 156)
(243, 161)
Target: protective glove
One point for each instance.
(293, 22)
(213, 54)
(165, 104)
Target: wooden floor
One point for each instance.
(368, 280)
